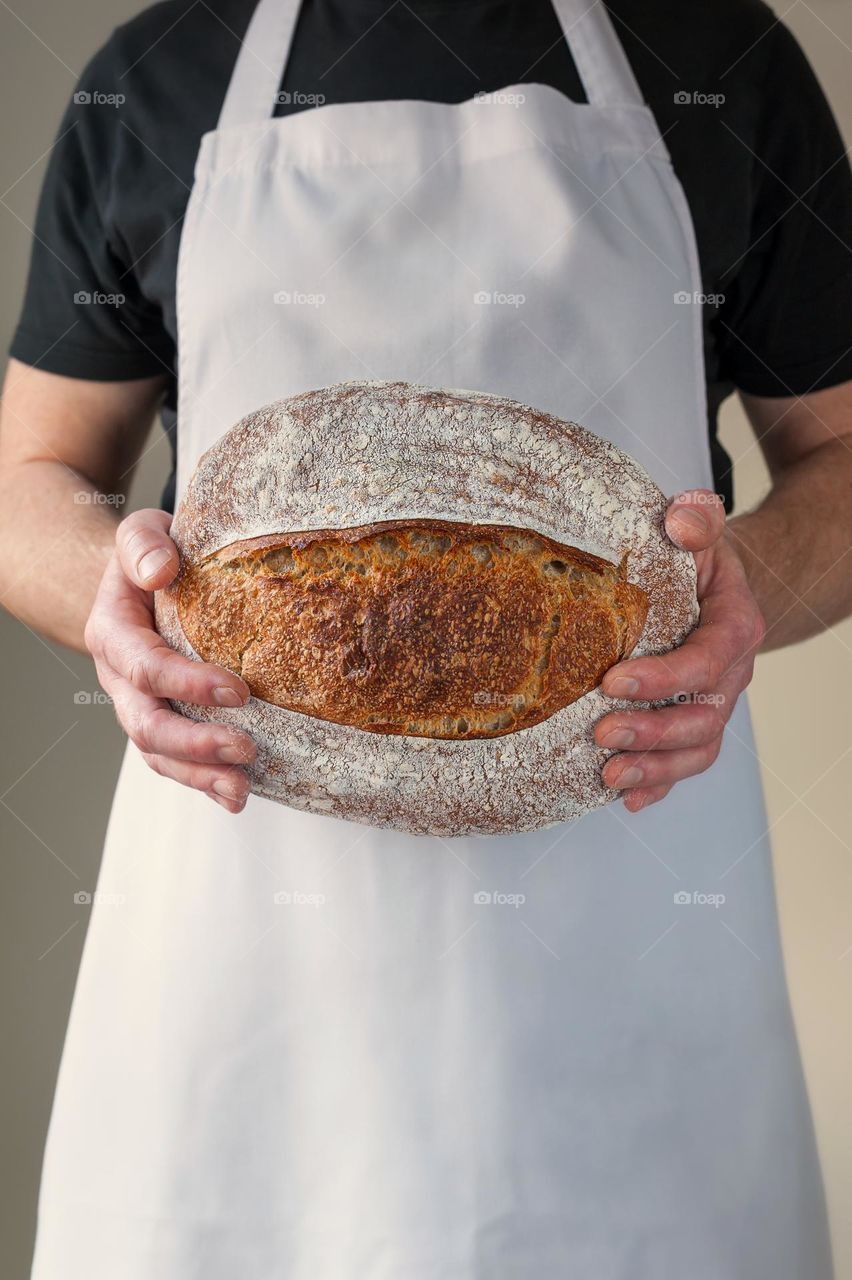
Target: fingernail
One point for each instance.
(692, 519)
(225, 696)
(151, 562)
(233, 753)
(622, 687)
(619, 738)
(226, 801)
(630, 778)
(229, 789)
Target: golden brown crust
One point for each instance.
(427, 628)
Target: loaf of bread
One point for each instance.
(425, 628)
(423, 590)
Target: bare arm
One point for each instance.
(797, 545)
(768, 578)
(66, 445)
(73, 570)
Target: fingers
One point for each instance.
(730, 632)
(122, 639)
(145, 551)
(661, 746)
(140, 671)
(690, 724)
(696, 667)
(203, 756)
(228, 788)
(147, 662)
(659, 768)
(157, 730)
(695, 519)
(641, 798)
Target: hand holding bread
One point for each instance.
(349, 604)
(142, 674)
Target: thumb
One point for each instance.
(146, 553)
(695, 519)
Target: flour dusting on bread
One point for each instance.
(370, 452)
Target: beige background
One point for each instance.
(61, 756)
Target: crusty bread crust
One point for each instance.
(337, 461)
(426, 628)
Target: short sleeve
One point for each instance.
(786, 327)
(83, 313)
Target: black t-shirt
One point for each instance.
(764, 170)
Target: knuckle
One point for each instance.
(141, 672)
(142, 729)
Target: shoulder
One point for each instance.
(171, 48)
(721, 39)
(154, 87)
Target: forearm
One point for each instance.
(57, 535)
(796, 546)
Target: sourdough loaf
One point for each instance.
(423, 590)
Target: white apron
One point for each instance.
(303, 1049)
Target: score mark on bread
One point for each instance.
(427, 628)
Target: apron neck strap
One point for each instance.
(600, 60)
(260, 64)
(598, 55)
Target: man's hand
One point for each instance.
(140, 672)
(712, 667)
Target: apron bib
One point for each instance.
(303, 1049)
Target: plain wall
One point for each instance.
(61, 753)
